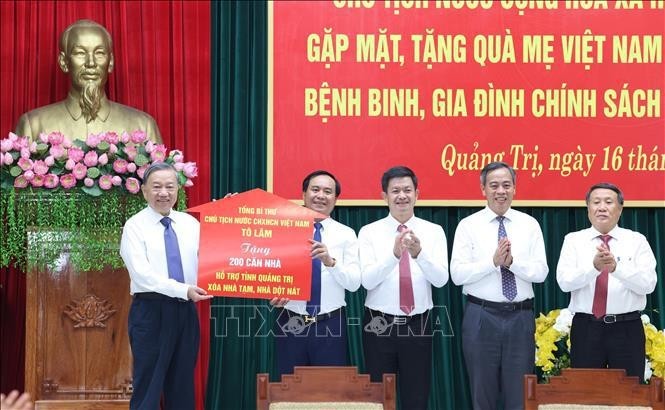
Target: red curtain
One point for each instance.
(162, 66)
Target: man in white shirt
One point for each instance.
(498, 253)
(401, 258)
(609, 271)
(313, 333)
(160, 249)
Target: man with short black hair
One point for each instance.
(313, 333)
(498, 253)
(609, 272)
(401, 257)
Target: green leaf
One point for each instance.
(15, 171)
(181, 179)
(93, 172)
(57, 169)
(103, 146)
(93, 190)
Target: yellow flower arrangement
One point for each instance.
(553, 344)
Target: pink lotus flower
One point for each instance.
(7, 159)
(20, 142)
(113, 148)
(190, 170)
(43, 137)
(33, 147)
(49, 161)
(80, 171)
(67, 181)
(93, 140)
(51, 181)
(106, 182)
(25, 152)
(137, 136)
(59, 151)
(20, 182)
(111, 137)
(133, 185)
(88, 182)
(69, 165)
(141, 171)
(40, 167)
(179, 166)
(6, 145)
(116, 180)
(131, 152)
(37, 181)
(159, 153)
(76, 154)
(120, 166)
(103, 159)
(149, 146)
(131, 167)
(177, 157)
(124, 137)
(29, 174)
(188, 183)
(90, 158)
(24, 163)
(56, 138)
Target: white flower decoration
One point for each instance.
(564, 321)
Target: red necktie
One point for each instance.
(600, 295)
(406, 303)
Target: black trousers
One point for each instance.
(403, 349)
(319, 344)
(164, 337)
(597, 345)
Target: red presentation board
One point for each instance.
(255, 245)
(569, 93)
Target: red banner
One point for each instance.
(569, 93)
(255, 245)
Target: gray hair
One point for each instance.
(493, 166)
(157, 166)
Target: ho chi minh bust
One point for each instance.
(86, 55)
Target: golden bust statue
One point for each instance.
(86, 55)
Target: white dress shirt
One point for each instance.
(342, 245)
(380, 267)
(142, 248)
(476, 240)
(627, 286)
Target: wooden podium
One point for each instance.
(76, 344)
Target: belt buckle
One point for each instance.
(309, 319)
(609, 319)
(399, 320)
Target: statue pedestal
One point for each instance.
(76, 345)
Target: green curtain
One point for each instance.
(241, 343)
